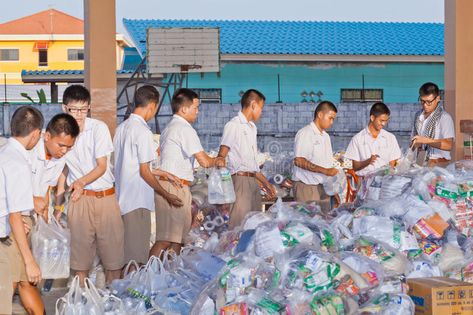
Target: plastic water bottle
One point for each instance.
(227, 185)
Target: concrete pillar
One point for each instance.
(458, 65)
(100, 59)
(54, 93)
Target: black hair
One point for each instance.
(77, 93)
(145, 95)
(324, 106)
(429, 88)
(182, 97)
(250, 96)
(379, 109)
(63, 124)
(25, 120)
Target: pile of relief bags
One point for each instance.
(411, 222)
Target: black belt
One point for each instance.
(5, 240)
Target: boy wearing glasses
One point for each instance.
(433, 132)
(93, 216)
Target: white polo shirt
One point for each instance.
(363, 145)
(178, 144)
(92, 143)
(133, 144)
(240, 136)
(45, 172)
(314, 146)
(16, 191)
(445, 129)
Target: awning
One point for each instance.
(41, 45)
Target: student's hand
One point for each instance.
(337, 201)
(33, 272)
(220, 162)
(270, 191)
(373, 158)
(77, 189)
(40, 205)
(173, 200)
(331, 171)
(58, 211)
(418, 140)
(173, 179)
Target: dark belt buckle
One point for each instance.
(6, 240)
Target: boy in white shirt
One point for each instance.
(434, 131)
(94, 215)
(135, 181)
(48, 158)
(179, 146)
(17, 264)
(313, 162)
(239, 144)
(374, 147)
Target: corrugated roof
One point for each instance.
(45, 22)
(65, 72)
(310, 37)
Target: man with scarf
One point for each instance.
(433, 131)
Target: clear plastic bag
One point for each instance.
(220, 187)
(51, 248)
(336, 184)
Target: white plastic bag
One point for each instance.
(335, 184)
(221, 189)
(51, 248)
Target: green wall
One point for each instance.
(400, 81)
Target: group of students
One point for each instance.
(109, 209)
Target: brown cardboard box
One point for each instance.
(441, 296)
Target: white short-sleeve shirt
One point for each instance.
(445, 129)
(133, 143)
(16, 189)
(178, 144)
(45, 172)
(363, 145)
(314, 146)
(240, 136)
(92, 143)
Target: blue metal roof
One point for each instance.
(321, 38)
(65, 72)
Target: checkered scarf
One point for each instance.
(429, 130)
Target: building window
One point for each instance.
(209, 95)
(9, 54)
(361, 95)
(75, 54)
(43, 57)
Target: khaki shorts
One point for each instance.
(307, 193)
(173, 224)
(96, 228)
(137, 225)
(18, 264)
(248, 198)
(6, 281)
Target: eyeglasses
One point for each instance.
(426, 102)
(78, 110)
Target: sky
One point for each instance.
(309, 10)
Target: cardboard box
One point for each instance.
(441, 296)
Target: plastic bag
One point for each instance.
(51, 248)
(220, 187)
(336, 184)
